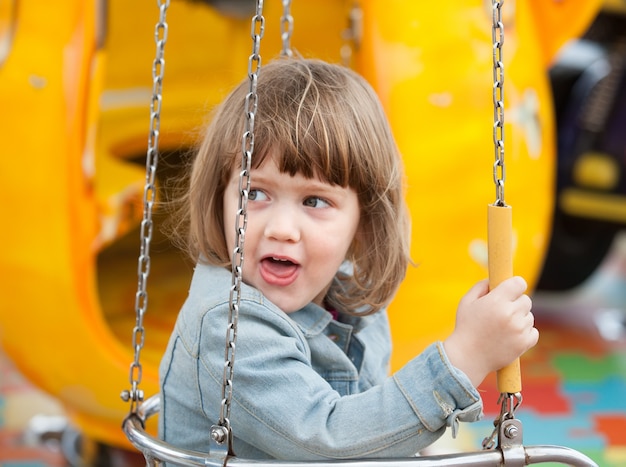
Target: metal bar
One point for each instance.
(156, 449)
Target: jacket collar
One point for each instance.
(312, 319)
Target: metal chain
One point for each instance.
(509, 403)
(497, 35)
(135, 395)
(352, 35)
(247, 147)
(286, 29)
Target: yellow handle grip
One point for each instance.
(500, 251)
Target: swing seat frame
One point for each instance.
(510, 453)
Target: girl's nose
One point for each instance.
(282, 225)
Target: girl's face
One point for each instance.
(298, 234)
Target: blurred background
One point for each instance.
(75, 90)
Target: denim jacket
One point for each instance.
(306, 386)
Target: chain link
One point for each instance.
(509, 403)
(286, 29)
(497, 35)
(247, 147)
(352, 35)
(135, 395)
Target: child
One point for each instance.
(326, 247)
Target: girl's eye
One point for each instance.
(315, 202)
(256, 195)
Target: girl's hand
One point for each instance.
(492, 329)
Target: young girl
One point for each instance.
(326, 247)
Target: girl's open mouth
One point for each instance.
(278, 271)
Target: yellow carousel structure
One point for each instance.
(75, 88)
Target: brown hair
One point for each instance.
(320, 120)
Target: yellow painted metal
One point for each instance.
(596, 170)
(74, 121)
(593, 205)
(556, 22)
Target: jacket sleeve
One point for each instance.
(283, 407)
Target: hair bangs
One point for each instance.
(307, 139)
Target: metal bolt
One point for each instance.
(511, 431)
(218, 434)
(127, 395)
